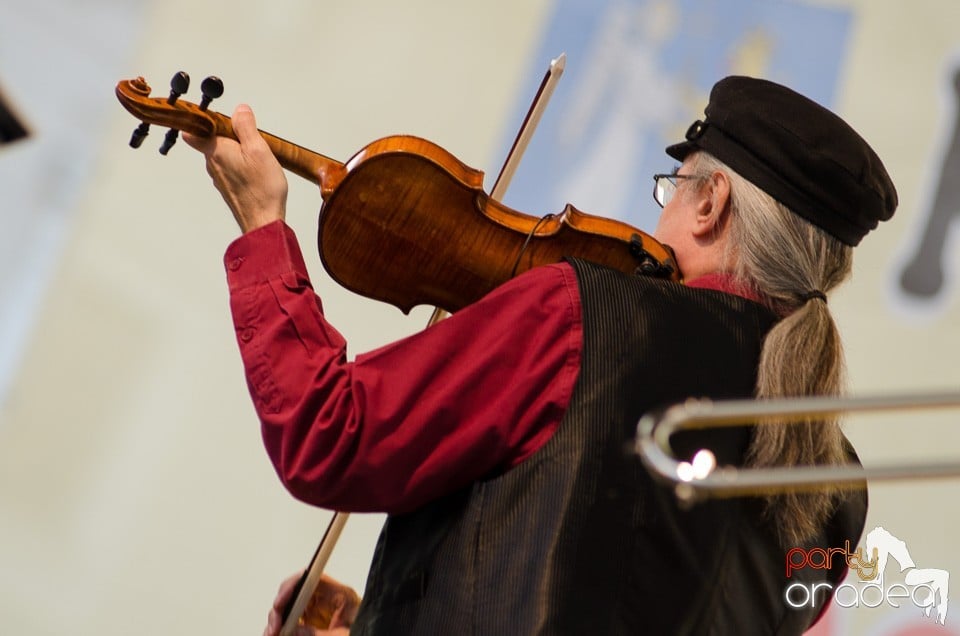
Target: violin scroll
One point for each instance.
(134, 95)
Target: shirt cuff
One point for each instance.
(263, 254)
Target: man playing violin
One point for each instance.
(496, 440)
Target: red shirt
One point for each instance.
(424, 416)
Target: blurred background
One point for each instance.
(134, 492)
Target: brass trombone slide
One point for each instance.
(702, 479)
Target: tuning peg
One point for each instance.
(136, 139)
(179, 84)
(168, 140)
(212, 88)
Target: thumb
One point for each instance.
(245, 125)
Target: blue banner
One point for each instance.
(638, 73)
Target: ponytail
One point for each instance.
(791, 263)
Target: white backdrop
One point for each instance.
(134, 493)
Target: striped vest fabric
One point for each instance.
(578, 539)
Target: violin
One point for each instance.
(405, 222)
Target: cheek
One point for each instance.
(667, 225)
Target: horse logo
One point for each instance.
(931, 585)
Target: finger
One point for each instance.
(285, 592)
(336, 619)
(203, 144)
(273, 624)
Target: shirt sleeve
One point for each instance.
(464, 399)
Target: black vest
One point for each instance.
(578, 539)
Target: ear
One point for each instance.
(713, 208)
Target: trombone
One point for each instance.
(702, 478)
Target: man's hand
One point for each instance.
(247, 174)
(330, 612)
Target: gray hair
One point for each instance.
(783, 257)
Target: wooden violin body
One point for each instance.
(405, 222)
(409, 216)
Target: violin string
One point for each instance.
(526, 242)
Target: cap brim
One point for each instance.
(681, 150)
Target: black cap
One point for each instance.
(10, 127)
(798, 152)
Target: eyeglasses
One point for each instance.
(665, 186)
